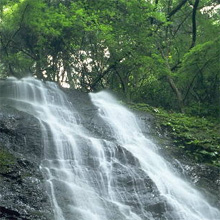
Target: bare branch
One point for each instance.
(177, 8)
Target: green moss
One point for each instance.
(7, 161)
(198, 137)
(142, 107)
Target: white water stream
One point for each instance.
(186, 201)
(86, 178)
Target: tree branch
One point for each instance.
(103, 74)
(177, 8)
(195, 6)
(193, 79)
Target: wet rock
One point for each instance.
(206, 178)
(202, 176)
(10, 214)
(23, 195)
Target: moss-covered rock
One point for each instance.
(7, 161)
(198, 138)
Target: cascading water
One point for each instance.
(116, 175)
(187, 203)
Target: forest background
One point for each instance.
(165, 53)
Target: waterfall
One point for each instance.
(114, 174)
(187, 202)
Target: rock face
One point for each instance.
(125, 163)
(205, 177)
(23, 192)
(22, 195)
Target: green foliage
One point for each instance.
(85, 38)
(197, 137)
(143, 50)
(200, 71)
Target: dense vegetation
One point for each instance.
(161, 52)
(195, 137)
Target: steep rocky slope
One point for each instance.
(23, 194)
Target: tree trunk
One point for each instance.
(177, 93)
